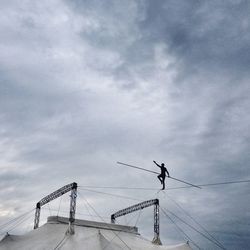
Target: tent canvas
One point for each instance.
(88, 235)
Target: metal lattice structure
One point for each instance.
(155, 202)
(72, 210)
(70, 187)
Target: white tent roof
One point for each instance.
(88, 235)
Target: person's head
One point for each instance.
(162, 164)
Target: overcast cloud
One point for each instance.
(84, 84)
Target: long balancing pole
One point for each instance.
(132, 166)
(121, 163)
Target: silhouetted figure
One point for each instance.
(162, 176)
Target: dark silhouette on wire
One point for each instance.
(121, 163)
(162, 175)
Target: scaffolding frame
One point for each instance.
(155, 202)
(61, 191)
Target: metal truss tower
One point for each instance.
(70, 187)
(156, 240)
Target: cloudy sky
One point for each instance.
(84, 84)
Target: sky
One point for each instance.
(84, 84)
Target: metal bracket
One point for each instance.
(70, 187)
(142, 205)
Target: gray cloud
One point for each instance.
(86, 84)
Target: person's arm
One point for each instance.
(156, 164)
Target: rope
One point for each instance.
(60, 244)
(202, 234)
(145, 188)
(114, 195)
(20, 222)
(49, 208)
(138, 217)
(101, 219)
(178, 205)
(224, 183)
(105, 222)
(15, 219)
(66, 212)
(127, 223)
(180, 229)
(91, 216)
(105, 187)
(59, 207)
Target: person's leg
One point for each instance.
(160, 178)
(163, 182)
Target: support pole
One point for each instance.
(37, 215)
(72, 211)
(113, 219)
(156, 240)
